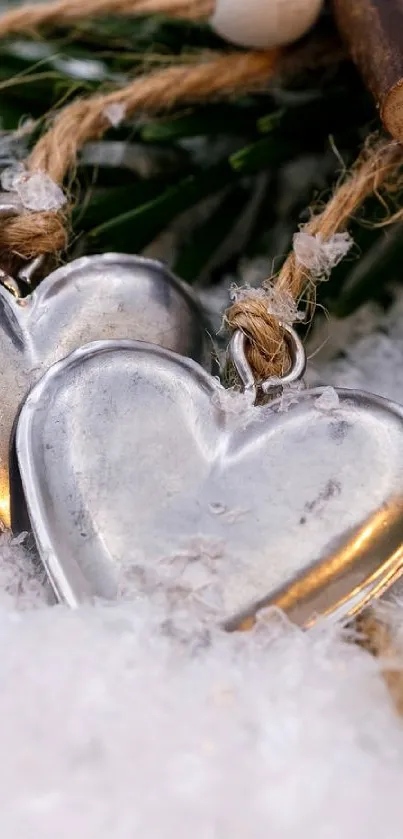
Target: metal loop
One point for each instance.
(237, 351)
(28, 272)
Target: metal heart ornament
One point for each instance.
(142, 473)
(98, 297)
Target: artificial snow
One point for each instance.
(328, 400)
(318, 255)
(22, 584)
(114, 722)
(39, 193)
(291, 394)
(115, 114)
(36, 190)
(363, 351)
(238, 406)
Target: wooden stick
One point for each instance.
(373, 31)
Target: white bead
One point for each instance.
(264, 23)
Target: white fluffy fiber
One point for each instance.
(320, 256)
(114, 725)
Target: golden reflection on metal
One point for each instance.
(363, 569)
(11, 285)
(4, 499)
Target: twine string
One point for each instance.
(87, 119)
(32, 234)
(34, 16)
(378, 167)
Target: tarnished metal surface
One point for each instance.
(139, 469)
(98, 297)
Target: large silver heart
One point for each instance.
(98, 297)
(141, 472)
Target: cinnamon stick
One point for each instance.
(373, 32)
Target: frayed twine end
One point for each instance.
(280, 304)
(320, 256)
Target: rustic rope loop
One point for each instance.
(379, 166)
(267, 351)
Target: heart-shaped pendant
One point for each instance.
(99, 297)
(141, 472)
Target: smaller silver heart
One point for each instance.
(108, 296)
(140, 471)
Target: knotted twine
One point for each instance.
(34, 233)
(378, 167)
